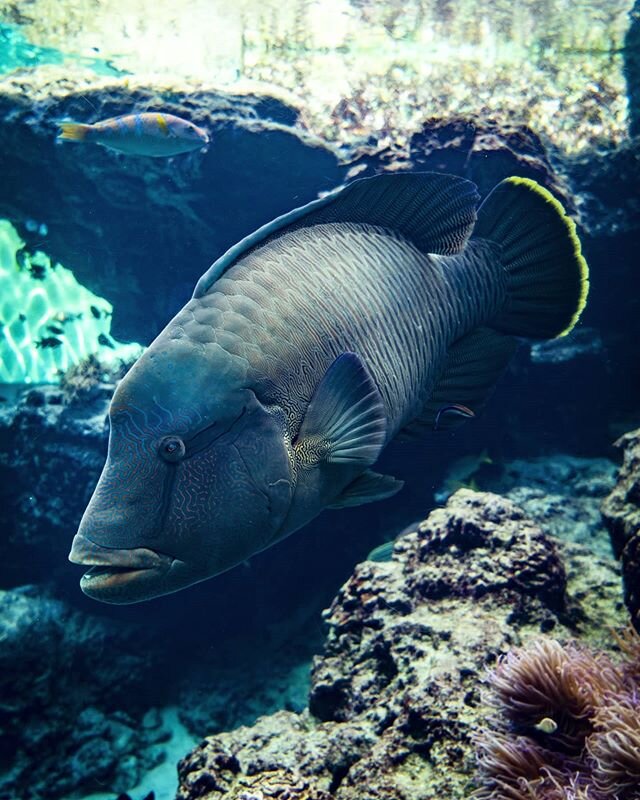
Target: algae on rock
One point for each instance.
(395, 703)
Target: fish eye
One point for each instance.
(171, 448)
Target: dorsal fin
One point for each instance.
(435, 211)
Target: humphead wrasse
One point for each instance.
(304, 350)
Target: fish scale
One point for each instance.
(327, 305)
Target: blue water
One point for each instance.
(16, 52)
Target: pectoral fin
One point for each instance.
(345, 421)
(367, 488)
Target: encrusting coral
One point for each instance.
(566, 724)
(82, 379)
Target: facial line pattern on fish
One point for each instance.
(143, 465)
(304, 350)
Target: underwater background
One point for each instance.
(532, 547)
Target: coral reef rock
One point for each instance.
(561, 493)
(51, 454)
(394, 702)
(621, 512)
(64, 679)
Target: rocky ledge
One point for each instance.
(395, 705)
(621, 512)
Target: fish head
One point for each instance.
(190, 487)
(190, 132)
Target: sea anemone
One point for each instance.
(566, 724)
(628, 641)
(574, 787)
(614, 747)
(550, 692)
(511, 768)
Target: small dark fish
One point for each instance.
(104, 340)
(48, 341)
(147, 134)
(55, 329)
(3, 399)
(454, 408)
(98, 313)
(383, 552)
(38, 271)
(22, 317)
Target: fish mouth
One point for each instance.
(112, 571)
(205, 139)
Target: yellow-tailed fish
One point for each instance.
(304, 350)
(149, 134)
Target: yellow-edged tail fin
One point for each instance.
(547, 276)
(73, 131)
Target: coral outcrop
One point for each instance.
(51, 454)
(394, 705)
(621, 512)
(561, 493)
(64, 679)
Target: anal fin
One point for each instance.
(367, 488)
(471, 370)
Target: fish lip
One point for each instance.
(87, 553)
(204, 135)
(113, 569)
(101, 582)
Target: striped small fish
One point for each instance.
(148, 134)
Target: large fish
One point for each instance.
(305, 349)
(148, 134)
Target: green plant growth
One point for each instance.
(49, 321)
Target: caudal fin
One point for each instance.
(73, 131)
(547, 276)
